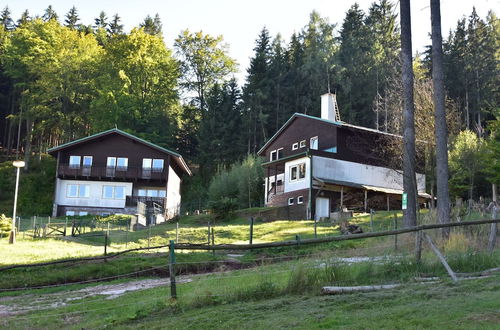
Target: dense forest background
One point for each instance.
(61, 79)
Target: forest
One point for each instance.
(62, 79)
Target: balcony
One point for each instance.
(111, 173)
(133, 200)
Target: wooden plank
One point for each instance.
(442, 259)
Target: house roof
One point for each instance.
(335, 123)
(176, 155)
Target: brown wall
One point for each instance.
(302, 128)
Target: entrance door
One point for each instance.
(322, 207)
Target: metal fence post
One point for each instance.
(171, 268)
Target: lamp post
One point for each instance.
(18, 164)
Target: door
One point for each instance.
(322, 207)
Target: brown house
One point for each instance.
(321, 165)
(116, 172)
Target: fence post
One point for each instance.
(208, 234)
(65, 226)
(149, 234)
(177, 231)
(395, 228)
(418, 246)
(49, 219)
(251, 230)
(371, 219)
(34, 221)
(315, 228)
(171, 270)
(493, 231)
(105, 243)
(442, 259)
(297, 238)
(44, 226)
(213, 240)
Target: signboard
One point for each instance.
(404, 201)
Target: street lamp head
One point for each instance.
(18, 163)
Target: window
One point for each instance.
(280, 153)
(70, 213)
(162, 193)
(297, 172)
(72, 190)
(141, 192)
(295, 146)
(121, 163)
(158, 165)
(83, 213)
(273, 155)
(119, 192)
(78, 190)
(303, 143)
(74, 161)
(300, 200)
(107, 192)
(152, 193)
(83, 190)
(290, 201)
(87, 161)
(314, 143)
(111, 162)
(146, 163)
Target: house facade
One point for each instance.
(321, 165)
(114, 172)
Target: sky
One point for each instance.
(239, 22)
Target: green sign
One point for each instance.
(404, 201)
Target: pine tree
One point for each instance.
(114, 26)
(49, 14)
(101, 21)
(6, 19)
(152, 26)
(72, 18)
(25, 18)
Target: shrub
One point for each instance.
(222, 209)
(116, 219)
(5, 224)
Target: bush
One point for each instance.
(223, 209)
(116, 219)
(5, 224)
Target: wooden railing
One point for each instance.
(104, 172)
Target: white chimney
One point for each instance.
(329, 107)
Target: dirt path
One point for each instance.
(14, 305)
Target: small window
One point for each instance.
(295, 146)
(302, 171)
(121, 163)
(74, 161)
(280, 153)
(291, 201)
(141, 192)
(293, 173)
(111, 162)
(314, 143)
(87, 161)
(162, 193)
(83, 213)
(119, 192)
(297, 172)
(70, 213)
(146, 163)
(152, 193)
(300, 200)
(72, 190)
(272, 156)
(303, 143)
(107, 192)
(84, 190)
(158, 165)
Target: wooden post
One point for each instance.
(315, 228)
(49, 219)
(442, 259)
(44, 226)
(493, 231)
(213, 240)
(65, 226)
(149, 234)
(208, 234)
(105, 243)
(34, 221)
(366, 200)
(177, 232)
(418, 246)
(341, 199)
(297, 238)
(395, 236)
(171, 268)
(126, 237)
(251, 230)
(371, 219)
(388, 204)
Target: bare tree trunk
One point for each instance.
(443, 197)
(409, 179)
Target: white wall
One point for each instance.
(95, 197)
(173, 193)
(342, 170)
(298, 184)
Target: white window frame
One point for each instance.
(275, 153)
(73, 164)
(291, 201)
(113, 165)
(104, 187)
(120, 167)
(87, 189)
(302, 144)
(91, 161)
(300, 200)
(295, 146)
(157, 169)
(68, 191)
(311, 143)
(114, 192)
(297, 167)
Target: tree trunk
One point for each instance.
(443, 198)
(409, 179)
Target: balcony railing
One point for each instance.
(119, 173)
(133, 200)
